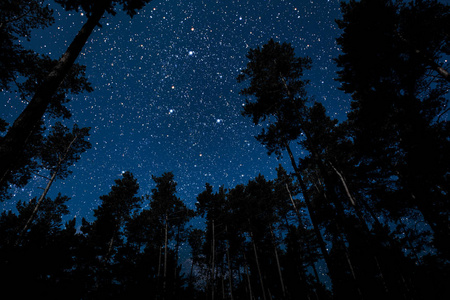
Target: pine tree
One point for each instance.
(275, 75)
(392, 66)
(61, 150)
(172, 215)
(21, 71)
(41, 259)
(17, 19)
(103, 237)
(13, 143)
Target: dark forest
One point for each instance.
(364, 214)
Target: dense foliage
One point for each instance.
(343, 225)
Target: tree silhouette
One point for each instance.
(60, 150)
(275, 81)
(103, 237)
(17, 19)
(21, 71)
(44, 254)
(171, 215)
(13, 143)
(400, 139)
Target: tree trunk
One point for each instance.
(230, 274)
(312, 215)
(159, 262)
(283, 290)
(165, 255)
(353, 200)
(352, 271)
(47, 188)
(213, 271)
(259, 269)
(316, 274)
(361, 219)
(294, 206)
(36, 208)
(223, 283)
(270, 294)
(110, 246)
(192, 271)
(16, 138)
(177, 246)
(248, 278)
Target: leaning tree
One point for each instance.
(15, 140)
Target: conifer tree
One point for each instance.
(172, 215)
(103, 237)
(61, 150)
(392, 65)
(14, 142)
(44, 255)
(21, 71)
(275, 75)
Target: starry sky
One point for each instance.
(166, 96)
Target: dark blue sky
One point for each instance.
(166, 97)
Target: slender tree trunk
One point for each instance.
(340, 209)
(312, 264)
(258, 267)
(36, 208)
(316, 274)
(213, 269)
(165, 255)
(159, 262)
(362, 221)
(283, 290)
(177, 246)
(270, 294)
(353, 202)
(294, 206)
(13, 143)
(47, 188)
(349, 261)
(223, 283)
(248, 278)
(346, 188)
(230, 274)
(352, 271)
(110, 246)
(312, 215)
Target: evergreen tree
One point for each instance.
(389, 49)
(195, 240)
(61, 150)
(17, 19)
(300, 242)
(103, 237)
(275, 75)
(137, 261)
(42, 258)
(14, 142)
(171, 215)
(21, 71)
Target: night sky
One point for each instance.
(166, 96)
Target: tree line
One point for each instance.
(367, 206)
